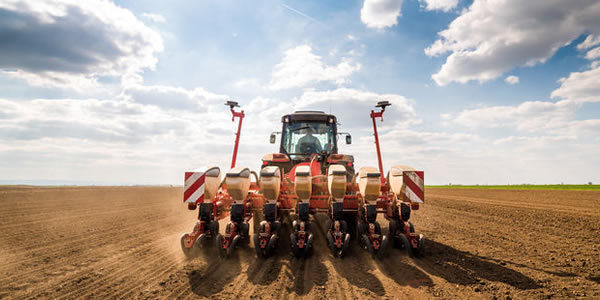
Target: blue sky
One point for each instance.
(126, 92)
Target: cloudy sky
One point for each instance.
(487, 92)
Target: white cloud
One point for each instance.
(512, 79)
(492, 37)
(66, 43)
(154, 17)
(50, 79)
(535, 140)
(169, 97)
(550, 118)
(90, 119)
(530, 116)
(593, 54)
(590, 41)
(110, 140)
(580, 87)
(443, 5)
(300, 67)
(380, 13)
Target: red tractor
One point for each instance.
(306, 177)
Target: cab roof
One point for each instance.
(308, 115)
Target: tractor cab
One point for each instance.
(305, 133)
(309, 137)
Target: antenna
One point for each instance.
(232, 104)
(383, 105)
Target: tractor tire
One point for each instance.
(188, 252)
(219, 244)
(393, 234)
(367, 242)
(272, 245)
(351, 225)
(330, 243)
(233, 245)
(420, 250)
(295, 249)
(259, 252)
(245, 233)
(200, 241)
(406, 245)
(345, 246)
(214, 228)
(309, 246)
(383, 247)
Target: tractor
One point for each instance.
(307, 176)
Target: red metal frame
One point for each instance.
(240, 115)
(374, 115)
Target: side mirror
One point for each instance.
(348, 139)
(272, 138)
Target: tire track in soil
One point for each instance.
(241, 284)
(147, 249)
(112, 261)
(219, 274)
(89, 215)
(84, 217)
(320, 234)
(128, 235)
(70, 270)
(53, 248)
(160, 264)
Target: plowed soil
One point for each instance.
(123, 242)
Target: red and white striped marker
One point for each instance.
(193, 189)
(414, 187)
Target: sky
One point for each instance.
(132, 92)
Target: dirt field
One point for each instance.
(123, 242)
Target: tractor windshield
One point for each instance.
(308, 138)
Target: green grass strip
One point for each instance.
(576, 187)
